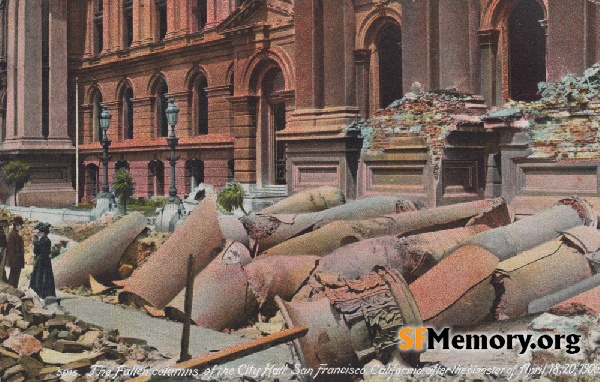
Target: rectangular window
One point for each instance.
(128, 23)
(161, 11)
(98, 27)
(201, 14)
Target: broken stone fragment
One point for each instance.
(23, 344)
(538, 272)
(98, 255)
(325, 240)
(31, 366)
(353, 322)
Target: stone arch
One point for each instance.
(158, 88)
(377, 64)
(367, 30)
(496, 12)
(198, 102)
(192, 75)
(230, 74)
(126, 113)
(257, 62)
(95, 101)
(494, 41)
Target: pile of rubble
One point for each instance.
(427, 114)
(355, 273)
(38, 340)
(565, 123)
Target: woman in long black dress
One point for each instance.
(42, 277)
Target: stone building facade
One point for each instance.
(268, 88)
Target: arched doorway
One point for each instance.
(272, 119)
(527, 50)
(388, 46)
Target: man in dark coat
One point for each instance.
(15, 252)
(3, 244)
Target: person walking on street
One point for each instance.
(3, 244)
(42, 277)
(15, 252)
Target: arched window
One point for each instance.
(156, 178)
(161, 18)
(200, 100)
(230, 170)
(162, 127)
(126, 106)
(389, 52)
(527, 50)
(194, 171)
(201, 14)
(121, 164)
(91, 181)
(98, 27)
(96, 110)
(127, 23)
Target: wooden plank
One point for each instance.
(234, 352)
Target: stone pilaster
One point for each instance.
(491, 89)
(143, 118)
(244, 147)
(219, 108)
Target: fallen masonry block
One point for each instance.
(161, 278)
(506, 242)
(493, 212)
(98, 255)
(457, 292)
(535, 273)
(312, 200)
(412, 256)
(353, 322)
(221, 297)
(580, 297)
(271, 229)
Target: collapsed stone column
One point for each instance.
(98, 255)
(323, 241)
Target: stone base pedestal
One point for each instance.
(322, 150)
(169, 216)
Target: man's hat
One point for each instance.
(4, 223)
(18, 220)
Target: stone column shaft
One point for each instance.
(58, 70)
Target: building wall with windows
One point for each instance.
(266, 88)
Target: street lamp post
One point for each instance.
(172, 114)
(105, 142)
(172, 212)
